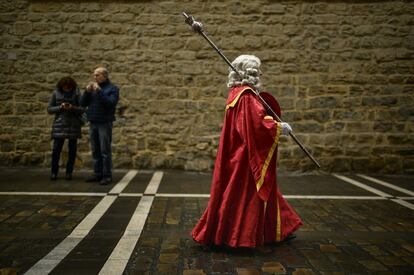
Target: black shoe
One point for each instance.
(68, 177)
(290, 237)
(53, 177)
(105, 181)
(93, 179)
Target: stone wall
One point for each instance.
(342, 71)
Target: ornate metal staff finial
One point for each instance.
(195, 25)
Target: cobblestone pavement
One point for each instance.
(353, 224)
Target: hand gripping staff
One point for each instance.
(198, 27)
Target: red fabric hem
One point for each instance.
(251, 245)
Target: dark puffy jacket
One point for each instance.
(66, 123)
(101, 105)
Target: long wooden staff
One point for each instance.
(198, 27)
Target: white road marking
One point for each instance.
(119, 257)
(120, 186)
(386, 184)
(130, 194)
(404, 203)
(195, 195)
(334, 197)
(154, 183)
(168, 195)
(83, 194)
(51, 260)
(406, 198)
(310, 197)
(363, 186)
(375, 191)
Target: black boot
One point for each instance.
(105, 181)
(68, 177)
(53, 176)
(290, 237)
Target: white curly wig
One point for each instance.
(248, 67)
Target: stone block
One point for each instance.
(323, 102)
(321, 43)
(193, 272)
(22, 28)
(247, 271)
(275, 8)
(102, 43)
(273, 268)
(91, 7)
(379, 101)
(6, 108)
(199, 164)
(319, 116)
(45, 7)
(303, 271)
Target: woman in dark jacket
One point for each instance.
(64, 104)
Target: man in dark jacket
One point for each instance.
(101, 98)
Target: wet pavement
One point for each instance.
(141, 223)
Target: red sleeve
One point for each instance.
(260, 133)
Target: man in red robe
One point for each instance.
(246, 208)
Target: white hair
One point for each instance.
(104, 71)
(248, 68)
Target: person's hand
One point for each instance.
(96, 87)
(90, 86)
(286, 129)
(66, 106)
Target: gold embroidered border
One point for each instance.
(269, 157)
(278, 221)
(233, 103)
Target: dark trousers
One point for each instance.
(100, 135)
(57, 149)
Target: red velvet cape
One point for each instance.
(246, 208)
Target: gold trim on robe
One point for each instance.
(269, 157)
(233, 103)
(278, 231)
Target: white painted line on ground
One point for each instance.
(175, 195)
(310, 197)
(130, 194)
(120, 186)
(373, 190)
(43, 266)
(51, 260)
(404, 203)
(84, 194)
(406, 198)
(334, 197)
(386, 184)
(119, 257)
(168, 195)
(154, 183)
(363, 186)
